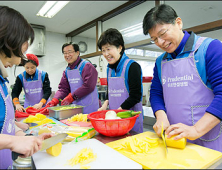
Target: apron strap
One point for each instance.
(124, 67)
(197, 45)
(80, 64)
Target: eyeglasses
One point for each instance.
(161, 36)
(69, 52)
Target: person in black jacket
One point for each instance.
(35, 83)
(124, 76)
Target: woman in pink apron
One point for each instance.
(35, 83)
(124, 76)
(186, 90)
(13, 44)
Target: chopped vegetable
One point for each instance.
(55, 150)
(44, 130)
(78, 117)
(83, 157)
(65, 107)
(181, 143)
(39, 118)
(136, 145)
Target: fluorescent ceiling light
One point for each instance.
(132, 30)
(51, 8)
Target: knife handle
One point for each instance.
(15, 155)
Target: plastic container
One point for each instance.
(103, 81)
(66, 113)
(112, 128)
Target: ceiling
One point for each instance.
(79, 13)
(72, 16)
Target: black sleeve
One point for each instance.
(135, 94)
(47, 90)
(17, 88)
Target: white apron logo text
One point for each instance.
(177, 81)
(116, 93)
(73, 80)
(35, 90)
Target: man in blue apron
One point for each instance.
(186, 88)
(78, 83)
(124, 77)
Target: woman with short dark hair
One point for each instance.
(124, 76)
(15, 32)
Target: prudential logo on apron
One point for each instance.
(164, 79)
(27, 90)
(177, 81)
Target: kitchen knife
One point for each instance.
(164, 140)
(47, 143)
(32, 124)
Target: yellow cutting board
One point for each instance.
(192, 157)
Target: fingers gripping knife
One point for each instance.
(47, 143)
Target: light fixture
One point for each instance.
(132, 30)
(51, 8)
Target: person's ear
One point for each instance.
(179, 22)
(120, 48)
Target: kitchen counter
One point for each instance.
(105, 139)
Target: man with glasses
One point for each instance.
(78, 83)
(186, 90)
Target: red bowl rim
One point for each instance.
(91, 118)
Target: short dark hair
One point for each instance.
(75, 46)
(30, 61)
(113, 37)
(162, 14)
(14, 32)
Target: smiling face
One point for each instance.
(167, 36)
(14, 60)
(69, 54)
(111, 53)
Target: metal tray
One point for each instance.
(64, 114)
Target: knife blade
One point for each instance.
(47, 143)
(32, 124)
(164, 140)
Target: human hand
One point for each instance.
(22, 125)
(25, 145)
(38, 105)
(161, 117)
(52, 103)
(31, 144)
(19, 107)
(44, 136)
(182, 131)
(101, 108)
(67, 100)
(104, 106)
